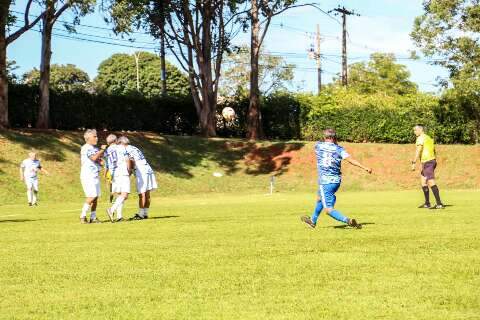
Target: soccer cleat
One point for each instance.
(308, 221)
(438, 206)
(354, 224)
(119, 220)
(110, 215)
(83, 221)
(137, 217)
(425, 206)
(145, 217)
(35, 204)
(29, 204)
(95, 220)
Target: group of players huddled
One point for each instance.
(120, 159)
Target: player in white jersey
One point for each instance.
(29, 169)
(109, 162)
(119, 165)
(145, 178)
(91, 160)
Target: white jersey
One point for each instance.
(141, 164)
(116, 157)
(90, 168)
(30, 168)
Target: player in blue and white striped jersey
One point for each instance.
(329, 162)
(145, 177)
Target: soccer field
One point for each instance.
(244, 257)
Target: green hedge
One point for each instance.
(379, 118)
(80, 109)
(357, 118)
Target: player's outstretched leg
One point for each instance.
(312, 222)
(337, 215)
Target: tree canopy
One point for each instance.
(118, 75)
(274, 73)
(380, 74)
(66, 77)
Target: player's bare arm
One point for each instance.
(356, 163)
(98, 156)
(418, 152)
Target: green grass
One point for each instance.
(236, 256)
(186, 164)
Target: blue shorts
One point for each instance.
(327, 194)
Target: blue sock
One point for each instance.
(335, 214)
(318, 210)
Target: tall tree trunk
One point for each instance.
(3, 65)
(44, 111)
(254, 123)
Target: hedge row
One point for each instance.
(357, 118)
(73, 110)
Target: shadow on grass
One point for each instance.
(50, 144)
(174, 155)
(345, 226)
(178, 155)
(19, 220)
(162, 217)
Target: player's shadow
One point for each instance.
(19, 220)
(345, 226)
(162, 217)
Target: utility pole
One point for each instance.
(137, 57)
(319, 60)
(314, 53)
(344, 12)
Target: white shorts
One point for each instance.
(32, 183)
(121, 184)
(145, 182)
(91, 187)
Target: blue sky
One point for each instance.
(384, 26)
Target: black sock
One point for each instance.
(426, 193)
(436, 193)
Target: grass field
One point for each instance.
(244, 257)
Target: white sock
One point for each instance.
(117, 202)
(93, 215)
(119, 211)
(34, 197)
(85, 209)
(29, 195)
(141, 212)
(145, 212)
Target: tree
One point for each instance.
(274, 73)
(197, 33)
(11, 66)
(261, 14)
(448, 33)
(62, 77)
(380, 74)
(6, 22)
(53, 10)
(117, 75)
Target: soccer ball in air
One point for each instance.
(228, 114)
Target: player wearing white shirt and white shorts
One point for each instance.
(119, 165)
(29, 174)
(145, 178)
(91, 159)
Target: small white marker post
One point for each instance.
(272, 184)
